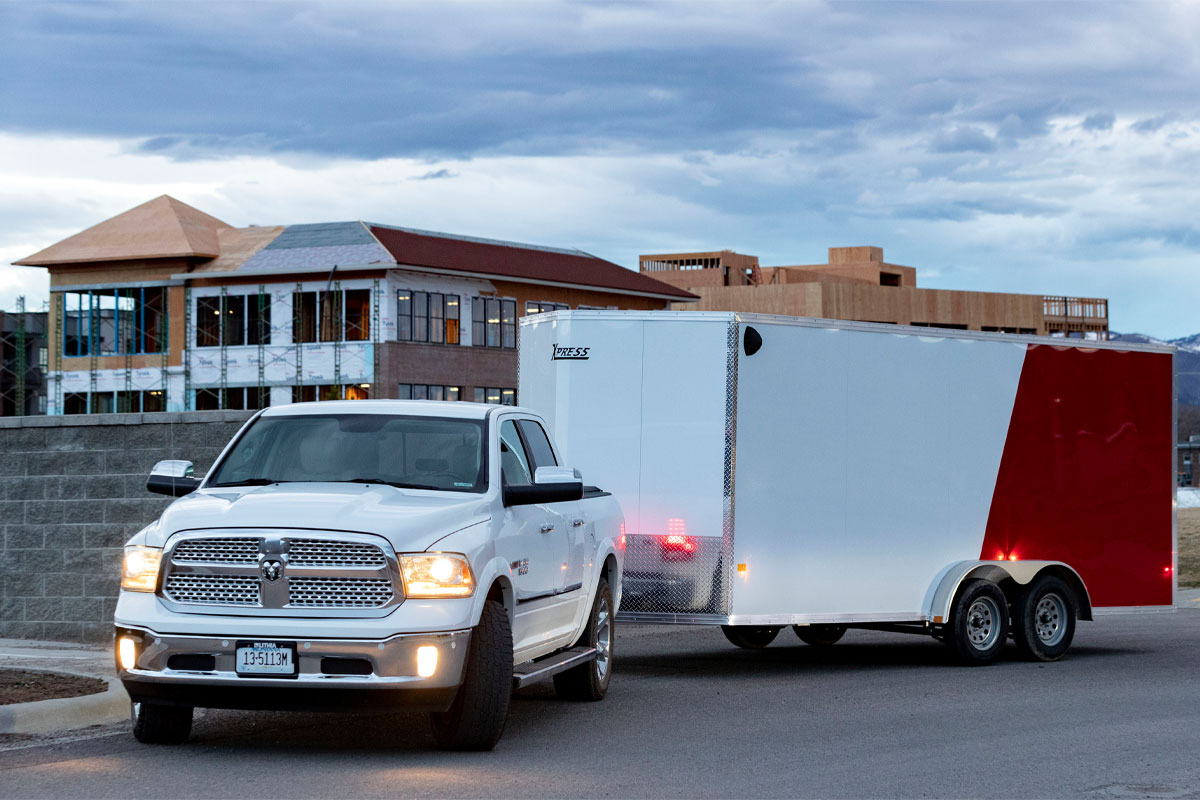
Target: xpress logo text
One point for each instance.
(569, 353)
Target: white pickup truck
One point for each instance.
(365, 553)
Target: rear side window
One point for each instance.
(539, 445)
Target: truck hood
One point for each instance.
(410, 520)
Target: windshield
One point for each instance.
(403, 451)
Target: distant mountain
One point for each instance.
(1187, 362)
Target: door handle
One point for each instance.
(576, 523)
(547, 527)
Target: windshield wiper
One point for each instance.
(252, 482)
(397, 484)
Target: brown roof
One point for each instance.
(239, 245)
(514, 261)
(161, 228)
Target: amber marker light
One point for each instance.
(743, 570)
(127, 652)
(427, 658)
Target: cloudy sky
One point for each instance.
(1026, 147)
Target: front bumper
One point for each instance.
(199, 671)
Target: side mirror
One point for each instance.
(550, 485)
(172, 478)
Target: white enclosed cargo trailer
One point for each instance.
(779, 471)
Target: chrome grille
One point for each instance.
(330, 553)
(217, 551)
(215, 590)
(339, 592)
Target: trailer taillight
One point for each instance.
(677, 544)
(1167, 570)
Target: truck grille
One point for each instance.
(212, 590)
(282, 574)
(217, 551)
(339, 592)
(323, 553)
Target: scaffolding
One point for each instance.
(22, 378)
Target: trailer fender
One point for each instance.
(941, 592)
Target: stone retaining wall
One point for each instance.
(72, 490)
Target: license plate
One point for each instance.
(266, 658)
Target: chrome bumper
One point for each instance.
(393, 662)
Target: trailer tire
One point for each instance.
(751, 637)
(820, 635)
(978, 626)
(589, 682)
(476, 718)
(158, 724)
(1044, 619)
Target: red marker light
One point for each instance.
(677, 544)
(1167, 571)
(621, 541)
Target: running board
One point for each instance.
(534, 671)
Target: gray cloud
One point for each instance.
(1100, 121)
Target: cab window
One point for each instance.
(538, 443)
(514, 463)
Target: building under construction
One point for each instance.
(857, 284)
(23, 361)
(166, 308)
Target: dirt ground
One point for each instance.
(24, 686)
(1189, 547)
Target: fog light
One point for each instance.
(427, 656)
(127, 652)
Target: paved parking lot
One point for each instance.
(688, 715)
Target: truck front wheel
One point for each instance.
(589, 681)
(154, 724)
(476, 718)
(751, 637)
(978, 626)
(1044, 619)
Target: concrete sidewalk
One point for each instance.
(68, 713)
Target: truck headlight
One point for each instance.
(436, 575)
(139, 572)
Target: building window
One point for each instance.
(427, 317)
(304, 317)
(536, 307)
(350, 391)
(233, 320)
(114, 321)
(503, 397)
(233, 397)
(358, 315)
(331, 317)
(420, 391)
(494, 322)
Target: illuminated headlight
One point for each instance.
(139, 572)
(436, 575)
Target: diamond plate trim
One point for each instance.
(731, 371)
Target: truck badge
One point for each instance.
(272, 570)
(569, 353)
(520, 567)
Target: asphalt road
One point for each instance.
(688, 715)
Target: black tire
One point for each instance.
(1044, 619)
(589, 682)
(155, 724)
(476, 718)
(751, 637)
(978, 626)
(820, 635)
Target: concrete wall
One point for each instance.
(72, 490)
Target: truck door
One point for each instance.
(579, 531)
(533, 540)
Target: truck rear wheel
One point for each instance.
(476, 718)
(978, 626)
(590, 681)
(155, 724)
(751, 637)
(820, 635)
(1044, 619)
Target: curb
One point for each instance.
(67, 713)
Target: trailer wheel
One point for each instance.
(820, 635)
(751, 637)
(590, 681)
(978, 626)
(156, 724)
(1044, 619)
(476, 718)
